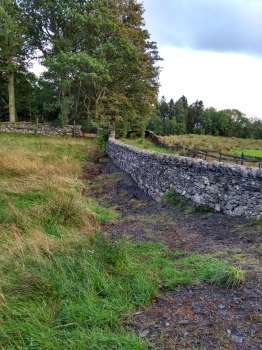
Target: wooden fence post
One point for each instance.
(242, 158)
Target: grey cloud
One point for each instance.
(217, 25)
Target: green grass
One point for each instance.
(255, 223)
(256, 153)
(62, 285)
(76, 298)
(48, 148)
(102, 214)
(40, 187)
(195, 269)
(176, 200)
(147, 145)
(79, 296)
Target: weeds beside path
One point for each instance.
(192, 317)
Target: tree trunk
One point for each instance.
(11, 93)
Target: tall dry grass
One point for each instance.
(41, 206)
(227, 145)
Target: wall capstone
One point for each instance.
(232, 189)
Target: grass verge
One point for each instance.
(62, 285)
(103, 215)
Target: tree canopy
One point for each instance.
(99, 59)
(179, 118)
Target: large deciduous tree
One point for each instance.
(98, 56)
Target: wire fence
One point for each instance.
(206, 154)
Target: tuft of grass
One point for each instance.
(102, 214)
(256, 222)
(196, 269)
(30, 199)
(176, 200)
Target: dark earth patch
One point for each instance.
(203, 317)
(199, 317)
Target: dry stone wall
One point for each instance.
(232, 189)
(41, 129)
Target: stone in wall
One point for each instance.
(232, 189)
(41, 129)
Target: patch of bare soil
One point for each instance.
(200, 317)
(203, 317)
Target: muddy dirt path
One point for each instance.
(199, 317)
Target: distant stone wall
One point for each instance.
(41, 129)
(232, 189)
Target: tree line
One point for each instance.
(100, 71)
(182, 118)
(100, 64)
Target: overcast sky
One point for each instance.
(212, 50)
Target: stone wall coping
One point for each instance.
(200, 164)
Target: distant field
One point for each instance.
(257, 153)
(147, 145)
(227, 145)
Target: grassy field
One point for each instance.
(146, 144)
(230, 146)
(63, 286)
(226, 145)
(257, 153)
